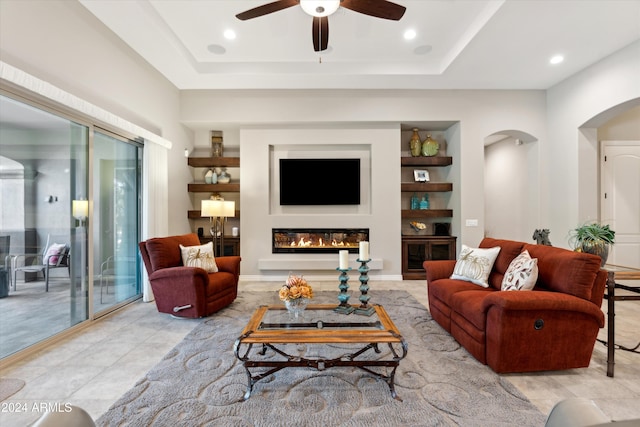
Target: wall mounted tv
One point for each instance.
(319, 182)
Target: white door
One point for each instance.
(620, 162)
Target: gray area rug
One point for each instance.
(200, 382)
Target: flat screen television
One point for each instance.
(319, 182)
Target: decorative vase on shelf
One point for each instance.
(430, 146)
(296, 306)
(208, 176)
(424, 203)
(214, 178)
(224, 177)
(414, 144)
(415, 203)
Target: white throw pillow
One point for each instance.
(522, 273)
(475, 264)
(199, 256)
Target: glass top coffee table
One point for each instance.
(359, 339)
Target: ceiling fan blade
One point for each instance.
(266, 9)
(320, 33)
(379, 8)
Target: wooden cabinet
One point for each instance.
(417, 249)
(231, 244)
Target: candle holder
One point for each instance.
(365, 309)
(343, 296)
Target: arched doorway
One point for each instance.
(512, 185)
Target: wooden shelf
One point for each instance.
(206, 162)
(232, 187)
(427, 213)
(426, 186)
(426, 161)
(192, 214)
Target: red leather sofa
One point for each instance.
(552, 327)
(188, 291)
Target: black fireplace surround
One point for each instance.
(317, 240)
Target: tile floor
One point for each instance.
(94, 367)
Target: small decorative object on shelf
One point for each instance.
(343, 296)
(424, 203)
(415, 202)
(418, 226)
(430, 146)
(208, 176)
(414, 144)
(216, 143)
(296, 293)
(224, 177)
(421, 175)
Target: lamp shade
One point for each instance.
(228, 209)
(217, 208)
(320, 8)
(80, 209)
(211, 208)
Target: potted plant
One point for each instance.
(593, 238)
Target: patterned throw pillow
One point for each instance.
(199, 256)
(474, 265)
(53, 253)
(522, 273)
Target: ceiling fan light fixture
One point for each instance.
(319, 8)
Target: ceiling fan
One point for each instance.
(321, 9)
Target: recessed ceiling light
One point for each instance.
(409, 34)
(229, 34)
(216, 48)
(556, 59)
(422, 50)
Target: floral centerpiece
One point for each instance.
(296, 293)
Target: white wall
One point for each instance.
(62, 43)
(570, 156)
(511, 190)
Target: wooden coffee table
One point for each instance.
(272, 328)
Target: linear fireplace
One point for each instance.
(317, 240)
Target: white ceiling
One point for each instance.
(461, 44)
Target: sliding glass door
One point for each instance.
(69, 221)
(117, 164)
(43, 169)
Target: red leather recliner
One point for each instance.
(188, 291)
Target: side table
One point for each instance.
(618, 272)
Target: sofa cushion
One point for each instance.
(469, 305)
(562, 270)
(199, 256)
(521, 274)
(443, 289)
(509, 250)
(164, 252)
(475, 264)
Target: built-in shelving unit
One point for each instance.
(420, 247)
(232, 244)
